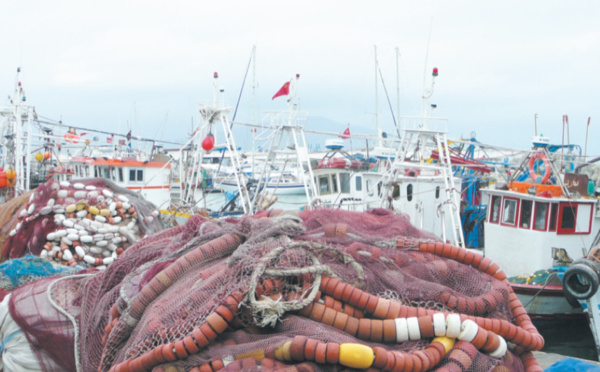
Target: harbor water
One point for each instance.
(571, 337)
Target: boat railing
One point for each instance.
(276, 119)
(424, 124)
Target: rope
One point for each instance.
(267, 312)
(5, 341)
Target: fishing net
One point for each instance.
(16, 272)
(88, 222)
(316, 291)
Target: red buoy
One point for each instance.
(208, 142)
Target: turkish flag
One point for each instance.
(284, 91)
(346, 133)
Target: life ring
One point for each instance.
(581, 279)
(533, 174)
(412, 172)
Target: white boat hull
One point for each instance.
(282, 189)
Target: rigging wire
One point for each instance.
(237, 105)
(389, 102)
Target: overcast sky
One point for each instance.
(146, 65)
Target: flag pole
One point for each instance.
(587, 128)
(350, 137)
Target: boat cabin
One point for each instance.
(527, 232)
(347, 189)
(150, 178)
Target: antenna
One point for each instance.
(398, 82)
(427, 51)
(379, 142)
(254, 85)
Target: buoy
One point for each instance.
(3, 180)
(47, 155)
(39, 157)
(208, 142)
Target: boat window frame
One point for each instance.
(553, 218)
(515, 213)
(547, 214)
(396, 192)
(572, 231)
(327, 191)
(334, 183)
(492, 209)
(521, 209)
(358, 183)
(409, 192)
(345, 182)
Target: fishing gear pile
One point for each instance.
(321, 290)
(88, 222)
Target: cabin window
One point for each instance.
(495, 210)
(574, 218)
(345, 183)
(567, 219)
(96, 172)
(334, 183)
(540, 216)
(132, 175)
(509, 212)
(120, 174)
(140, 175)
(105, 172)
(553, 215)
(409, 192)
(324, 185)
(358, 183)
(396, 192)
(526, 209)
(437, 192)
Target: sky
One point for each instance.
(147, 65)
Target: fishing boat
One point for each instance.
(544, 219)
(409, 181)
(36, 150)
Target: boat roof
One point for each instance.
(112, 162)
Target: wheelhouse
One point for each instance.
(562, 216)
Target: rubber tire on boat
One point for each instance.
(581, 280)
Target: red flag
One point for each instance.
(589, 119)
(284, 91)
(109, 140)
(346, 133)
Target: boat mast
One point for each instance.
(397, 82)
(377, 128)
(17, 148)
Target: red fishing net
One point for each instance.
(322, 290)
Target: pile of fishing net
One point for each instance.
(315, 291)
(88, 222)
